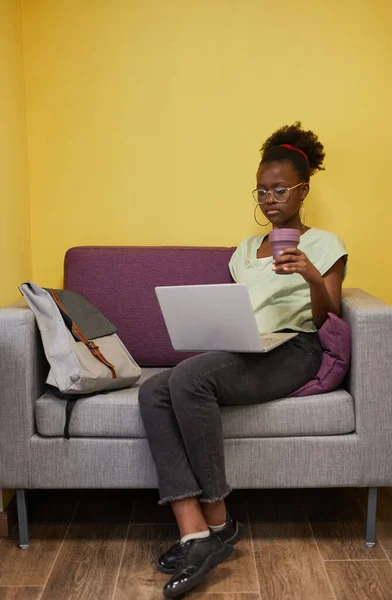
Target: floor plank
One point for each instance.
(288, 564)
(361, 580)
(88, 563)
(49, 518)
(338, 520)
(145, 543)
(20, 593)
(228, 596)
(384, 520)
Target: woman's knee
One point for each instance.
(185, 373)
(192, 376)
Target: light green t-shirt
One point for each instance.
(283, 301)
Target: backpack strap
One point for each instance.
(94, 349)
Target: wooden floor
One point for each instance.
(299, 545)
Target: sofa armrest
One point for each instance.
(369, 378)
(23, 370)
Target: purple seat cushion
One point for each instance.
(334, 336)
(120, 282)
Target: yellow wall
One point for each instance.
(145, 118)
(15, 252)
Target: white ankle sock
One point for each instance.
(216, 528)
(195, 536)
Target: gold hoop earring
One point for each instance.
(302, 217)
(258, 222)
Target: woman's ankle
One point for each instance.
(189, 516)
(214, 513)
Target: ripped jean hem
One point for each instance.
(216, 498)
(169, 499)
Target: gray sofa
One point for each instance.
(342, 438)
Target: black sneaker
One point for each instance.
(197, 558)
(230, 534)
(232, 531)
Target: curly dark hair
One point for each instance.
(296, 136)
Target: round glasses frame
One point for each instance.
(279, 194)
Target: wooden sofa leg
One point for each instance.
(371, 517)
(22, 519)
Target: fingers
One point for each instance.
(288, 255)
(283, 254)
(287, 258)
(293, 267)
(293, 250)
(290, 263)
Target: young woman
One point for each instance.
(180, 407)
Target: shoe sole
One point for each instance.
(239, 532)
(165, 570)
(210, 563)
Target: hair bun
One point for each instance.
(295, 135)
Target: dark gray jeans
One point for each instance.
(181, 416)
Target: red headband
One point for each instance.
(290, 147)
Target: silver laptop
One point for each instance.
(214, 317)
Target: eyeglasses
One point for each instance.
(279, 194)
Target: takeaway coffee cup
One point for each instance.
(280, 239)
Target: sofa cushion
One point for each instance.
(116, 415)
(334, 336)
(120, 282)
